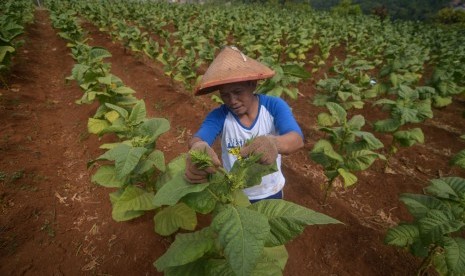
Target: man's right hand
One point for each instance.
(196, 175)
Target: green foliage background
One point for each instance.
(397, 9)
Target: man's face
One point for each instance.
(238, 97)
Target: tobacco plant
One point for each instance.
(136, 161)
(14, 15)
(69, 28)
(243, 238)
(133, 164)
(445, 87)
(408, 107)
(350, 87)
(285, 80)
(94, 77)
(404, 138)
(437, 226)
(9, 31)
(127, 124)
(339, 90)
(459, 158)
(347, 149)
(134, 171)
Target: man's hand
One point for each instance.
(264, 145)
(196, 175)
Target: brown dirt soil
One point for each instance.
(54, 221)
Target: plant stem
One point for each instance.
(392, 149)
(328, 189)
(214, 195)
(427, 261)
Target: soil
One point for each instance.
(54, 221)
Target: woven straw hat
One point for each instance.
(231, 65)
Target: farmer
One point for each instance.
(243, 116)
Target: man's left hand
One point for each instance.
(264, 145)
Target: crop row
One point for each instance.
(14, 15)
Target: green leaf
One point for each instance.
(153, 128)
(240, 198)
(354, 104)
(439, 101)
(448, 188)
(242, 233)
(171, 218)
(131, 202)
(337, 111)
(385, 102)
(277, 254)
(95, 126)
(175, 167)
(253, 172)
(420, 249)
(267, 267)
(202, 202)
(138, 113)
(177, 187)
(121, 111)
(111, 116)
(296, 71)
(437, 223)
(4, 50)
(349, 178)
(106, 177)
(388, 125)
(105, 80)
(344, 96)
(124, 90)
(126, 158)
(425, 91)
(324, 154)
(356, 122)
(326, 120)
(372, 142)
(287, 220)
(179, 77)
(459, 159)
(155, 160)
(407, 138)
(185, 249)
(115, 128)
(361, 160)
(439, 262)
(98, 53)
(109, 146)
(195, 268)
(424, 110)
(455, 255)
(78, 71)
(402, 235)
(420, 205)
(408, 115)
(218, 267)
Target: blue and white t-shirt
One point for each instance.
(274, 118)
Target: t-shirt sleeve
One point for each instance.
(284, 120)
(212, 125)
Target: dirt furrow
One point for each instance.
(54, 221)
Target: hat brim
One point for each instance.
(216, 85)
(231, 66)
